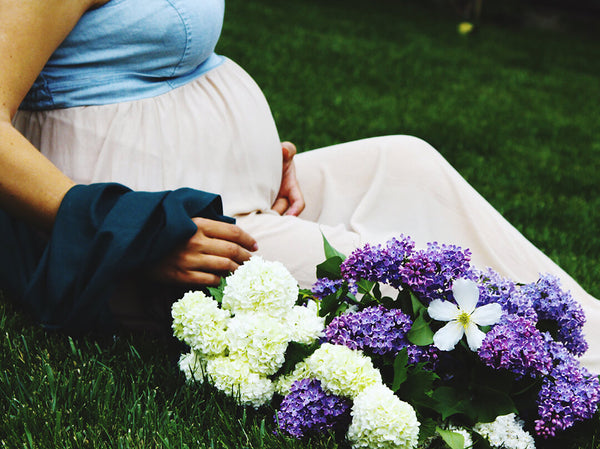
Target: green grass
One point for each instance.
(514, 108)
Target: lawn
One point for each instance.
(514, 107)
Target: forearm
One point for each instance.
(31, 187)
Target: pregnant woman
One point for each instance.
(116, 120)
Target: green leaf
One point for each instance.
(426, 429)
(365, 286)
(377, 291)
(420, 333)
(330, 268)
(330, 251)
(453, 439)
(400, 369)
(418, 386)
(217, 292)
(487, 404)
(295, 353)
(449, 401)
(417, 305)
(329, 303)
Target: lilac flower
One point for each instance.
(429, 273)
(515, 344)
(308, 410)
(553, 303)
(569, 394)
(324, 287)
(375, 328)
(379, 331)
(377, 263)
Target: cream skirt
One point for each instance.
(217, 134)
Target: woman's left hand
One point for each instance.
(289, 199)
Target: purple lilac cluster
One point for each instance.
(494, 287)
(515, 344)
(553, 303)
(569, 394)
(308, 410)
(376, 328)
(377, 263)
(429, 273)
(379, 331)
(324, 287)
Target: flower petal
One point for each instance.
(475, 336)
(466, 294)
(446, 338)
(442, 310)
(487, 315)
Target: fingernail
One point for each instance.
(255, 247)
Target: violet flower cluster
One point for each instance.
(324, 287)
(494, 287)
(430, 273)
(569, 394)
(518, 343)
(379, 331)
(378, 263)
(515, 344)
(553, 303)
(309, 410)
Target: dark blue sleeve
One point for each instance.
(102, 233)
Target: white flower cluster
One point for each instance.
(260, 286)
(506, 432)
(236, 347)
(379, 418)
(342, 371)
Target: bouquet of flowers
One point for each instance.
(394, 347)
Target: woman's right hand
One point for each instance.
(215, 250)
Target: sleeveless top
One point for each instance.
(128, 50)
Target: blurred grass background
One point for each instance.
(514, 106)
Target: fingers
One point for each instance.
(215, 250)
(225, 231)
(289, 151)
(296, 202)
(281, 205)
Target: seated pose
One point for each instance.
(116, 120)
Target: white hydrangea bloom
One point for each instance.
(284, 383)
(506, 432)
(341, 370)
(258, 340)
(380, 420)
(237, 380)
(304, 324)
(262, 286)
(199, 322)
(193, 366)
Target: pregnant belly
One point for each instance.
(215, 134)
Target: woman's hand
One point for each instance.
(215, 250)
(289, 199)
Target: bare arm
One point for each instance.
(31, 187)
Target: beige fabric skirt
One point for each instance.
(217, 134)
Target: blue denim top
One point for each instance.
(128, 50)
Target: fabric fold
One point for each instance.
(102, 233)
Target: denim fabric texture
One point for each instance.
(128, 50)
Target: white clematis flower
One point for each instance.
(463, 319)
